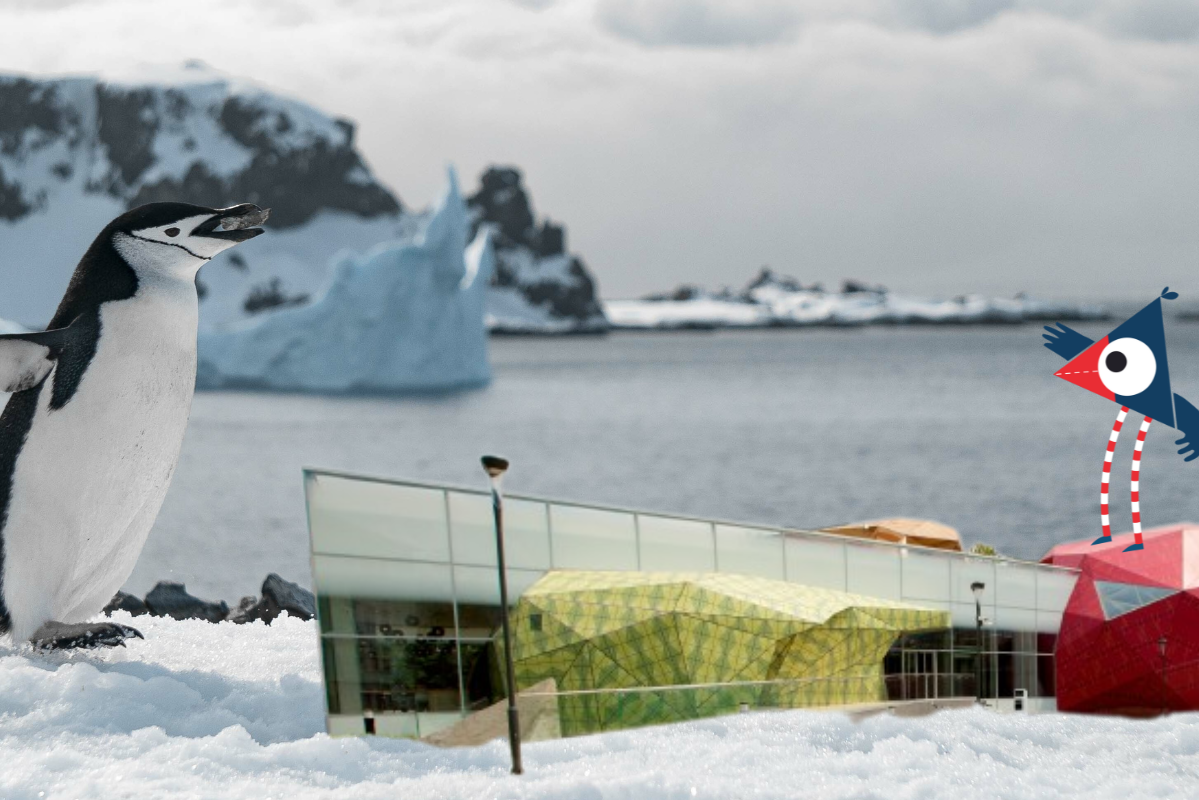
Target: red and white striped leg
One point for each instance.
(1139, 544)
(1107, 477)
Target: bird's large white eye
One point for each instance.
(1127, 366)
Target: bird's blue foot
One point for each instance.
(1132, 547)
(1101, 540)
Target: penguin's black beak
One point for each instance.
(236, 223)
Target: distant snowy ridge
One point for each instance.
(405, 317)
(775, 301)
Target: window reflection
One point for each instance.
(935, 664)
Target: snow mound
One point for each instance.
(236, 711)
(405, 317)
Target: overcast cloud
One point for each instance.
(939, 146)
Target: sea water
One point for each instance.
(803, 428)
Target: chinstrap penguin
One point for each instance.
(90, 437)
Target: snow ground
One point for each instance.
(227, 711)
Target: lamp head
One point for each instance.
(1161, 646)
(495, 467)
(977, 587)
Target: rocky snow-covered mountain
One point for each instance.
(77, 151)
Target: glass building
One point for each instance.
(408, 596)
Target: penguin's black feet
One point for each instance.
(60, 636)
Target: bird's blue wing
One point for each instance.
(1066, 342)
(1186, 420)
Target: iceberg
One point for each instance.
(408, 316)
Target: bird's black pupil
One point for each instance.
(1116, 362)
(171, 231)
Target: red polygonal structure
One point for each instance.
(1108, 654)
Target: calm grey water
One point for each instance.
(798, 427)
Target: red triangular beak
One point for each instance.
(1084, 370)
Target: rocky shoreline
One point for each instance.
(171, 599)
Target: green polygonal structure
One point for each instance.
(780, 644)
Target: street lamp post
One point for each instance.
(977, 587)
(1161, 648)
(495, 468)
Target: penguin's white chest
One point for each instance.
(92, 475)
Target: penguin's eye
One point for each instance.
(1127, 367)
(172, 232)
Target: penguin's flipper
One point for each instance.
(26, 358)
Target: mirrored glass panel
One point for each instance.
(479, 598)
(367, 518)
(965, 571)
(393, 676)
(750, 551)
(925, 576)
(675, 545)
(350, 616)
(588, 538)
(482, 584)
(1015, 585)
(343, 576)
(963, 615)
(1049, 622)
(472, 531)
(1016, 619)
(815, 561)
(1054, 588)
(873, 571)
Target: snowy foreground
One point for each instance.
(233, 711)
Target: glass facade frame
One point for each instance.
(376, 539)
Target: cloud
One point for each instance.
(1163, 20)
(938, 148)
(947, 16)
(534, 5)
(721, 23)
(698, 22)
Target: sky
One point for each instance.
(935, 146)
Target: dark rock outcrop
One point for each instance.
(278, 596)
(122, 601)
(290, 597)
(170, 599)
(246, 611)
(531, 257)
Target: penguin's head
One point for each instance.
(177, 239)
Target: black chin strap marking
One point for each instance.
(172, 244)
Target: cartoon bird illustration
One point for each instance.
(1129, 367)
